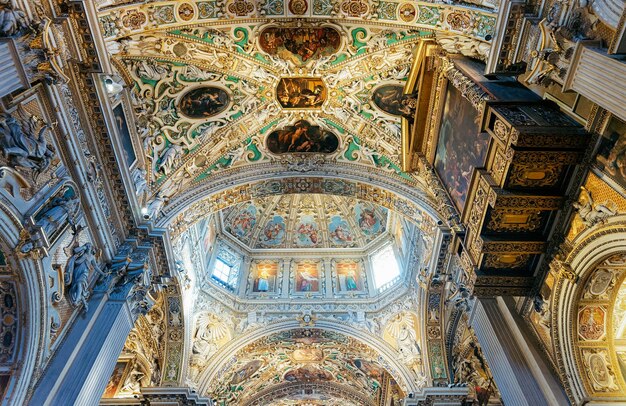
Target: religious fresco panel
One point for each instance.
(265, 275)
(273, 232)
(243, 222)
(301, 93)
(300, 44)
(340, 232)
(302, 137)
(348, 276)
(370, 221)
(307, 233)
(307, 277)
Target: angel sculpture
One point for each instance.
(593, 213)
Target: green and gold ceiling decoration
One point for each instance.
(219, 86)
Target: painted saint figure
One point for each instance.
(351, 280)
(263, 281)
(308, 281)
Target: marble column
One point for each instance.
(517, 364)
(80, 369)
(599, 77)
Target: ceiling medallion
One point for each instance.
(186, 12)
(241, 8)
(298, 7)
(203, 102)
(407, 12)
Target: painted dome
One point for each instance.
(305, 221)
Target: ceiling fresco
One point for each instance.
(301, 356)
(303, 221)
(205, 102)
(248, 90)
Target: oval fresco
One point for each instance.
(302, 137)
(390, 99)
(300, 44)
(203, 102)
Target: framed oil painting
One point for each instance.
(302, 137)
(300, 44)
(348, 277)
(203, 102)
(301, 93)
(461, 147)
(307, 277)
(122, 129)
(264, 277)
(611, 158)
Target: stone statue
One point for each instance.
(155, 206)
(23, 145)
(139, 181)
(407, 346)
(77, 271)
(59, 211)
(12, 21)
(170, 159)
(592, 213)
(542, 307)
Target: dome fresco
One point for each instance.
(308, 221)
(303, 356)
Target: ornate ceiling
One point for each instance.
(344, 371)
(286, 118)
(304, 221)
(217, 88)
